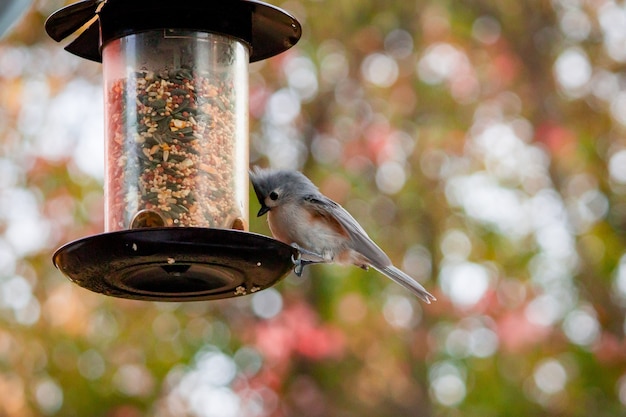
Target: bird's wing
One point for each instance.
(359, 239)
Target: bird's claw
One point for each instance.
(300, 263)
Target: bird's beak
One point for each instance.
(264, 209)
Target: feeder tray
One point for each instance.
(175, 264)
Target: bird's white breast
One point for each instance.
(291, 223)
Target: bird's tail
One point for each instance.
(407, 282)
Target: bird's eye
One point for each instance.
(274, 195)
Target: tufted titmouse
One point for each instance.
(322, 230)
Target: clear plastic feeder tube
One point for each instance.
(176, 129)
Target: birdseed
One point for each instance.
(171, 150)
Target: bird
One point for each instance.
(322, 231)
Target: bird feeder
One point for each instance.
(176, 145)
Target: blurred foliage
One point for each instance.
(481, 143)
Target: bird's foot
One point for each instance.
(317, 256)
(300, 263)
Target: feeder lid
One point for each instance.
(175, 263)
(267, 30)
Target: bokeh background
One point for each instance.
(482, 143)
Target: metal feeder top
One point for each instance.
(266, 29)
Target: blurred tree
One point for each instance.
(481, 143)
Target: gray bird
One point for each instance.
(322, 231)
